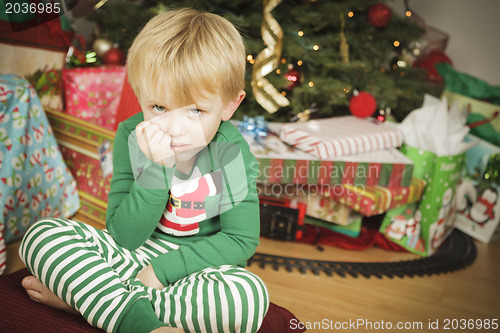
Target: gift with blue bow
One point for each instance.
(255, 127)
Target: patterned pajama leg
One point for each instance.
(221, 299)
(86, 268)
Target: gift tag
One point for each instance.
(105, 158)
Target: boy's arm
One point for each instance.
(239, 232)
(134, 206)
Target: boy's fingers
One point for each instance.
(142, 125)
(139, 131)
(168, 141)
(156, 138)
(150, 130)
(143, 146)
(153, 142)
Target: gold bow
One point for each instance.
(267, 60)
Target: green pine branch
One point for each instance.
(371, 51)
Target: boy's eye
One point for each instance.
(195, 111)
(158, 108)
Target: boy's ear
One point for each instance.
(233, 105)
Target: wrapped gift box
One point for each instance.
(340, 136)
(343, 204)
(93, 94)
(283, 164)
(33, 43)
(34, 180)
(374, 200)
(318, 201)
(352, 230)
(483, 117)
(86, 149)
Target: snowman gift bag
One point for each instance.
(478, 195)
(434, 141)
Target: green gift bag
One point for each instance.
(422, 227)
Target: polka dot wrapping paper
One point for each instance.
(422, 227)
(93, 94)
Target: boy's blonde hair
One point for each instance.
(189, 51)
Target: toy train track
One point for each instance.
(456, 253)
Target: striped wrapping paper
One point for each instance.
(340, 136)
(375, 200)
(395, 173)
(280, 163)
(80, 143)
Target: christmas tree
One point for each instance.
(319, 53)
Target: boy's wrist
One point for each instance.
(152, 177)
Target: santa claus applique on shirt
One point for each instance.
(186, 205)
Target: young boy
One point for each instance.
(183, 211)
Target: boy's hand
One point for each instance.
(154, 143)
(148, 278)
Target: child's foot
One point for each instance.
(167, 330)
(38, 292)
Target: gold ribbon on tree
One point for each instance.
(344, 47)
(267, 60)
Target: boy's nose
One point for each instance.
(172, 123)
(175, 129)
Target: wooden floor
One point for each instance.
(471, 293)
(368, 305)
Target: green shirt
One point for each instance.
(140, 191)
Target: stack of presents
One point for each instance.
(334, 173)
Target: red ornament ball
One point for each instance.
(114, 56)
(429, 61)
(293, 76)
(379, 15)
(363, 105)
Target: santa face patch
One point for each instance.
(187, 204)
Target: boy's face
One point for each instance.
(190, 127)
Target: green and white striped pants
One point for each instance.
(86, 268)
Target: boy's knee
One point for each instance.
(41, 225)
(260, 297)
(253, 295)
(37, 232)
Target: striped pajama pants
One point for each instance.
(87, 269)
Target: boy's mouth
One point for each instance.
(177, 147)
